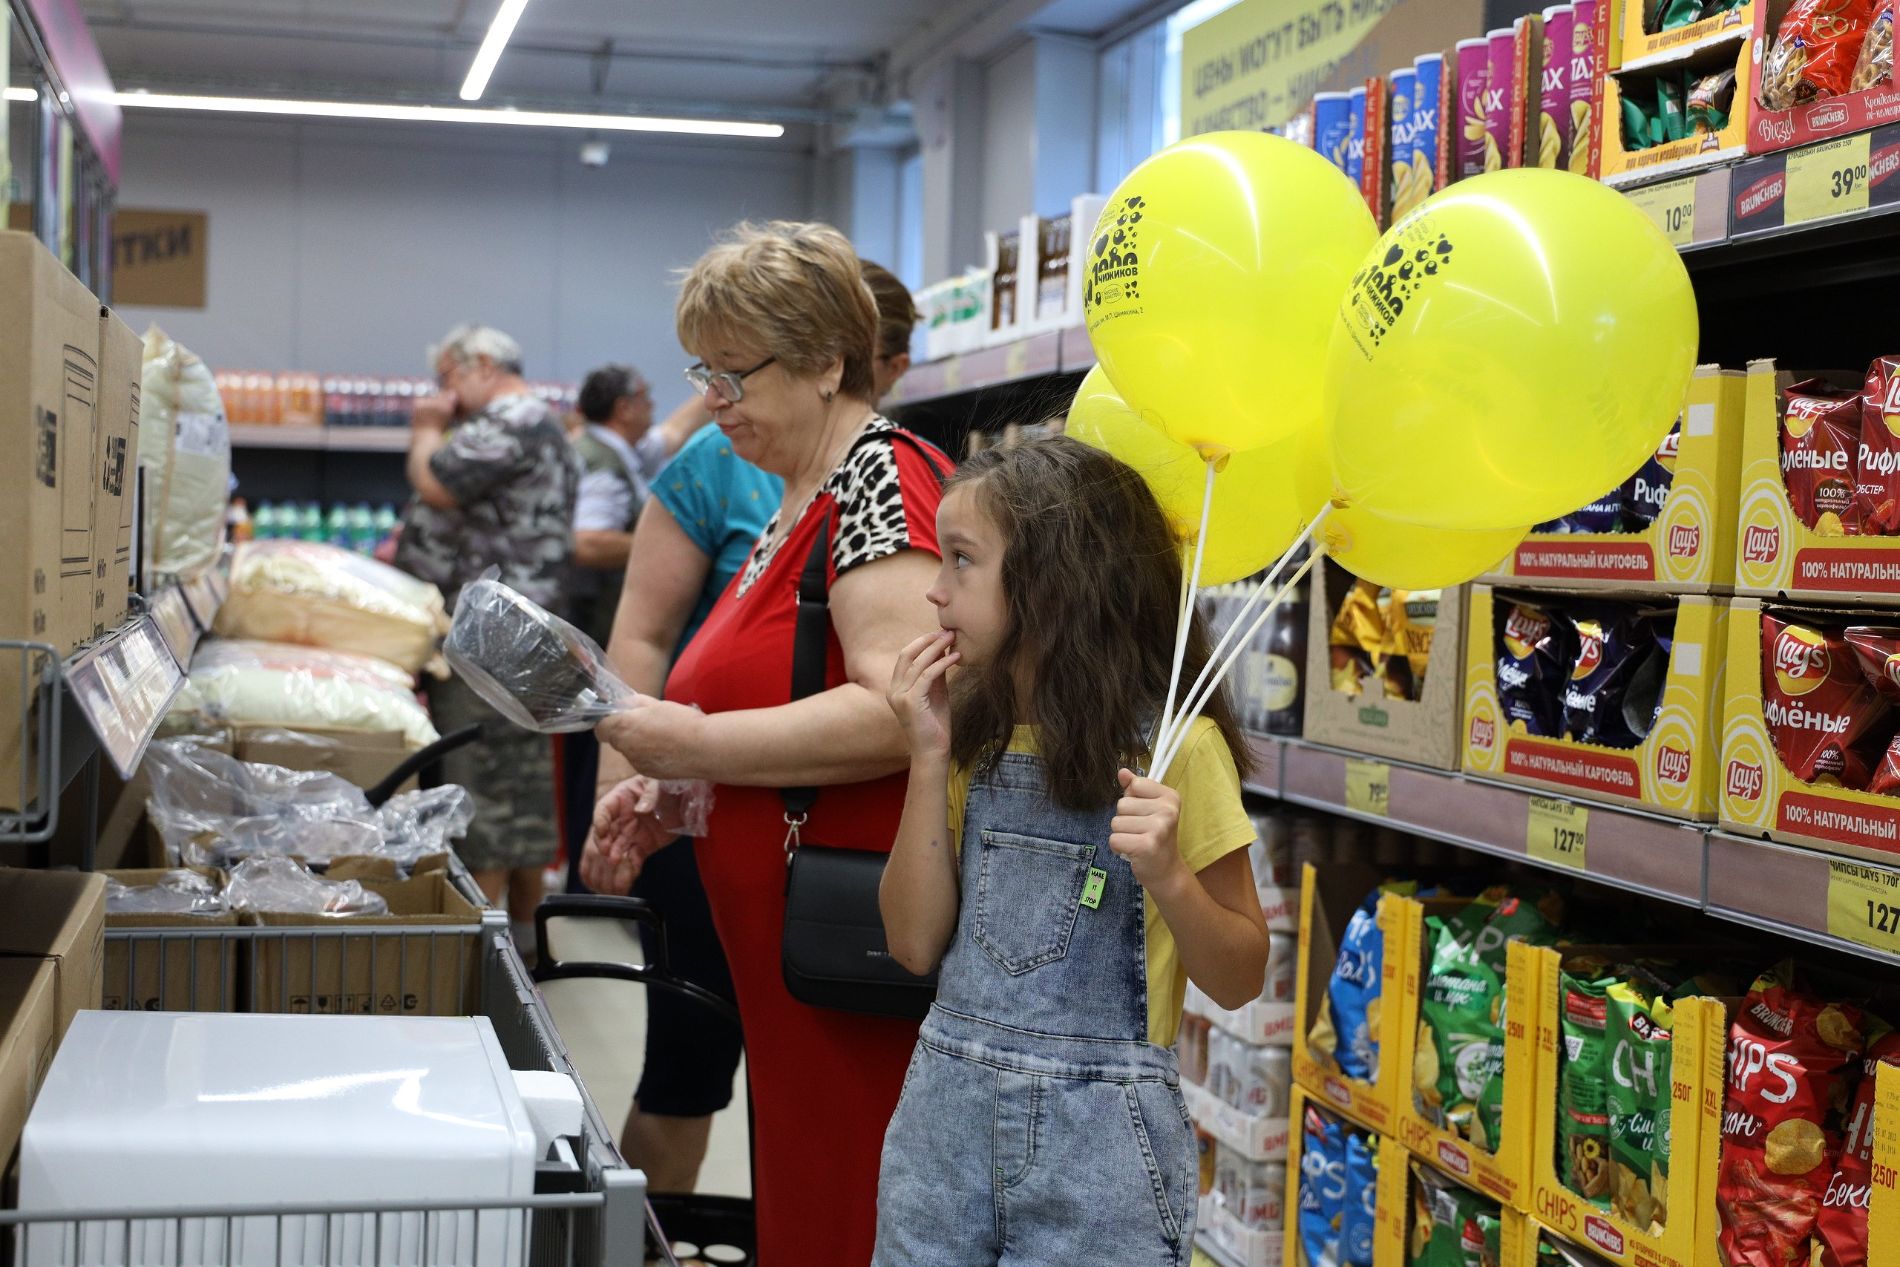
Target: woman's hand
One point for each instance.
(660, 739)
(920, 692)
(1144, 831)
(626, 832)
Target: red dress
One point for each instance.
(823, 1084)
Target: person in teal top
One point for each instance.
(705, 510)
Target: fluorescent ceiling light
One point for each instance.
(393, 112)
(22, 94)
(490, 52)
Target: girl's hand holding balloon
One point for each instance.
(1144, 831)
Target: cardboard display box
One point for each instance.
(362, 757)
(1422, 731)
(1778, 556)
(1771, 130)
(29, 1035)
(1622, 166)
(1674, 771)
(422, 959)
(1391, 1194)
(1639, 48)
(1699, 1050)
(177, 973)
(1328, 899)
(116, 453)
(58, 916)
(1760, 796)
(1690, 548)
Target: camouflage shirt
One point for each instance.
(514, 478)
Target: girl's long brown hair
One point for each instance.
(1092, 587)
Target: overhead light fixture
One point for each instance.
(490, 52)
(22, 94)
(140, 99)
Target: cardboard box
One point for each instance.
(1392, 1194)
(1883, 1207)
(1760, 796)
(422, 959)
(175, 972)
(1422, 731)
(1622, 166)
(1503, 1174)
(121, 361)
(1674, 771)
(1771, 130)
(1699, 1050)
(58, 916)
(29, 1035)
(363, 757)
(1777, 555)
(1639, 48)
(1056, 255)
(1328, 899)
(1690, 548)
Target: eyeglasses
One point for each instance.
(728, 383)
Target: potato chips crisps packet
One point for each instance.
(1611, 646)
(1536, 648)
(1353, 991)
(1638, 1032)
(1583, 1103)
(1820, 442)
(1843, 1219)
(1447, 1222)
(1826, 725)
(1788, 1056)
(1358, 637)
(1359, 1216)
(1322, 1188)
(1877, 470)
(1875, 64)
(1815, 51)
(1710, 99)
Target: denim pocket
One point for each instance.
(1029, 890)
(1166, 1145)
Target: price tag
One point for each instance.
(1557, 832)
(1368, 787)
(1827, 180)
(953, 374)
(1016, 359)
(1863, 905)
(1670, 206)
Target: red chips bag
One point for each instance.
(1822, 717)
(1843, 1221)
(1788, 1053)
(1814, 51)
(1820, 438)
(1877, 482)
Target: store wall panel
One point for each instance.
(1009, 139)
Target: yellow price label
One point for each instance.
(1558, 833)
(953, 374)
(1863, 905)
(1827, 180)
(1016, 360)
(1368, 787)
(1670, 206)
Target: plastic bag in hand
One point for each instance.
(284, 886)
(417, 824)
(537, 670)
(175, 893)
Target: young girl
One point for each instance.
(1069, 899)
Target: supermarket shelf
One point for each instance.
(1223, 1239)
(327, 439)
(1261, 1023)
(1265, 751)
(1255, 1138)
(1035, 356)
(1784, 889)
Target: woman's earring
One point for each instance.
(828, 394)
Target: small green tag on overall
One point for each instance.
(1092, 891)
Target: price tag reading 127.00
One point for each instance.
(1368, 787)
(1827, 180)
(1558, 833)
(1863, 906)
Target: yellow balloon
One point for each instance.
(1263, 498)
(1513, 347)
(1213, 277)
(1412, 556)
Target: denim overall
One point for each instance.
(1038, 1126)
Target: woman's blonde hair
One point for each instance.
(791, 288)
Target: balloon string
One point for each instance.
(1234, 626)
(1192, 708)
(1182, 625)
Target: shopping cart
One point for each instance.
(711, 1229)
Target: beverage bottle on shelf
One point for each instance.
(361, 528)
(384, 520)
(332, 402)
(237, 518)
(310, 523)
(264, 522)
(1282, 674)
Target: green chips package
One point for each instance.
(1637, 122)
(1451, 1225)
(1710, 97)
(1583, 1108)
(1638, 1029)
(1674, 125)
(1670, 14)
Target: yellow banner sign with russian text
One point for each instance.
(1257, 64)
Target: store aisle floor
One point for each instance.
(604, 1026)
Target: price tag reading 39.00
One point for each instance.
(1558, 833)
(1827, 180)
(1368, 787)
(1863, 906)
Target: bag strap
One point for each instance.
(812, 634)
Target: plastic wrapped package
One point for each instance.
(210, 808)
(319, 595)
(175, 893)
(273, 684)
(185, 452)
(536, 669)
(417, 824)
(285, 886)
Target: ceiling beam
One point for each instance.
(967, 28)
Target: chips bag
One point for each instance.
(1671, 14)
(1637, 1031)
(1877, 481)
(1842, 1222)
(1815, 51)
(1361, 1208)
(1612, 645)
(1875, 64)
(1358, 638)
(1537, 648)
(1583, 1104)
(1825, 723)
(1602, 515)
(1789, 1055)
(1447, 1222)
(1322, 1189)
(1710, 99)
(1414, 619)
(1352, 993)
(1643, 494)
(1820, 440)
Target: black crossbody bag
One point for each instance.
(834, 953)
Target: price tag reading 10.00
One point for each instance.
(1827, 180)
(1863, 906)
(1557, 833)
(1368, 787)
(1670, 206)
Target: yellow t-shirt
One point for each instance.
(1213, 824)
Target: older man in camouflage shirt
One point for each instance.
(495, 482)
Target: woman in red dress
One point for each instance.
(785, 331)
